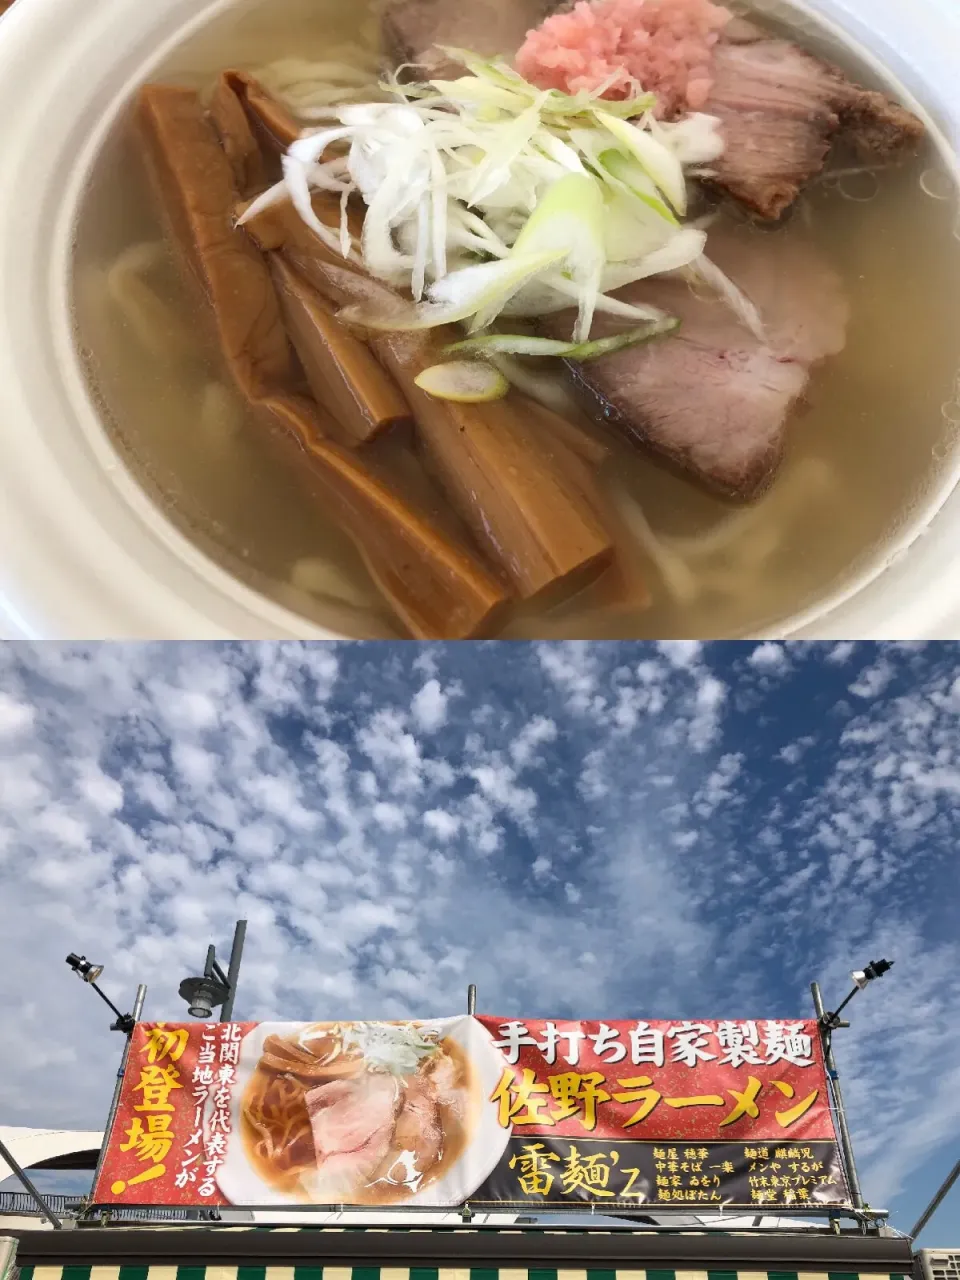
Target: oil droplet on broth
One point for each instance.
(938, 184)
(859, 187)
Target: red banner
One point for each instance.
(664, 1081)
(485, 1110)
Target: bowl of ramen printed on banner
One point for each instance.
(363, 1113)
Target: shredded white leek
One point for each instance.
(486, 196)
(735, 298)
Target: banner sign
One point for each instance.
(488, 1111)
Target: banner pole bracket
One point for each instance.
(131, 1022)
(846, 1144)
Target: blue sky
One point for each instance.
(622, 830)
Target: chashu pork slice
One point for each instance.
(714, 399)
(782, 109)
(417, 1142)
(353, 1124)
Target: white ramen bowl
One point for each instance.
(84, 553)
(242, 1184)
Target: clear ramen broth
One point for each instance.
(871, 441)
(279, 1141)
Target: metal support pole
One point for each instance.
(472, 999)
(233, 971)
(846, 1145)
(115, 1103)
(32, 1191)
(122, 1018)
(937, 1200)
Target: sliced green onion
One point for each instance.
(459, 295)
(619, 341)
(510, 344)
(520, 344)
(464, 381)
(571, 217)
(657, 160)
(473, 89)
(499, 75)
(495, 71)
(630, 107)
(487, 197)
(494, 169)
(633, 177)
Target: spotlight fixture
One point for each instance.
(875, 969)
(861, 979)
(83, 968)
(89, 973)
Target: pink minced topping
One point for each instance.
(665, 46)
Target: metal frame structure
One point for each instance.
(846, 1143)
(868, 1220)
(118, 1086)
(31, 1190)
(630, 1219)
(937, 1200)
(467, 1247)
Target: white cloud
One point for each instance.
(542, 867)
(63, 828)
(794, 752)
(14, 716)
(426, 661)
(573, 668)
(497, 783)
(429, 707)
(681, 653)
(187, 710)
(873, 680)
(153, 790)
(710, 697)
(720, 786)
(770, 657)
(195, 766)
(389, 816)
(535, 733)
(443, 825)
(393, 750)
(591, 784)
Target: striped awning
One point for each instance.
(307, 1272)
(200, 1252)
